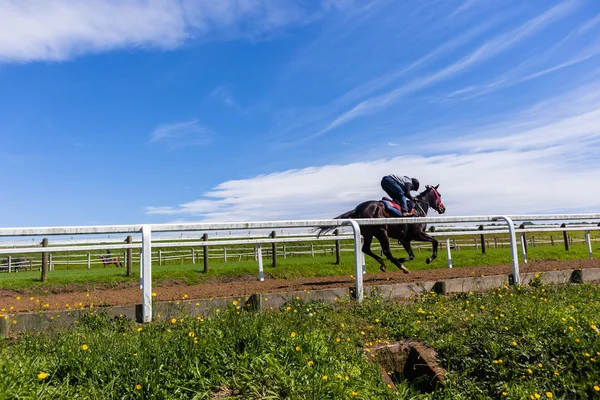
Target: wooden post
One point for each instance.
(495, 242)
(552, 240)
(565, 237)
(274, 248)
(129, 256)
(44, 261)
(225, 254)
(9, 264)
(193, 256)
(89, 261)
(159, 257)
(205, 238)
(312, 250)
(482, 240)
(284, 252)
(338, 251)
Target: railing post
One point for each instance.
(9, 264)
(274, 248)
(261, 273)
(589, 244)
(147, 273)
(358, 261)
(448, 252)
(513, 248)
(338, 253)
(524, 247)
(129, 256)
(89, 261)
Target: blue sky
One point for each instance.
(117, 112)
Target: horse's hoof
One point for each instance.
(429, 260)
(405, 270)
(382, 268)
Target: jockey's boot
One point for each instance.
(409, 214)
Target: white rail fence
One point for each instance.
(231, 253)
(147, 232)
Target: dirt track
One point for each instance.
(227, 287)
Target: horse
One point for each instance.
(429, 198)
(108, 259)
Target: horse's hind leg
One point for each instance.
(385, 246)
(367, 250)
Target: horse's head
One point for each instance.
(433, 198)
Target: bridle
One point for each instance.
(438, 201)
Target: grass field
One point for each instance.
(513, 343)
(295, 267)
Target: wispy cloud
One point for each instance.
(488, 50)
(182, 134)
(540, 65)
(58, 30)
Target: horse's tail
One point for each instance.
(324, 229)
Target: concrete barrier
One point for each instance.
(48, 320)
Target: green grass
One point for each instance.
(512, 343)
(289, 268)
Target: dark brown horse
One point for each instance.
(429, 198)
(108, 259)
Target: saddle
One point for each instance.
(395, 208)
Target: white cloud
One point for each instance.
(57, 30)
(182, 134)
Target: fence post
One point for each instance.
(261, 273)
(274, 249)
(565, 237)
(524, 247)
(193, 256)
(589, 244)
(44, 261)
(532, 241)
(476, 245)
(524, 239)
(284, 252)
(495, 242)
(448, 253)
(225, 254)
(9, 264)
(159, 258)
(482, 237)
(513, 248)
(146, 273)
(89, 260)
(129, 256)
(205, 238)
(338, 252)
(552, 240)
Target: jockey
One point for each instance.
(399, 188)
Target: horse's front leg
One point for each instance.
(406, 244)
(385, 246)
(424, 237)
